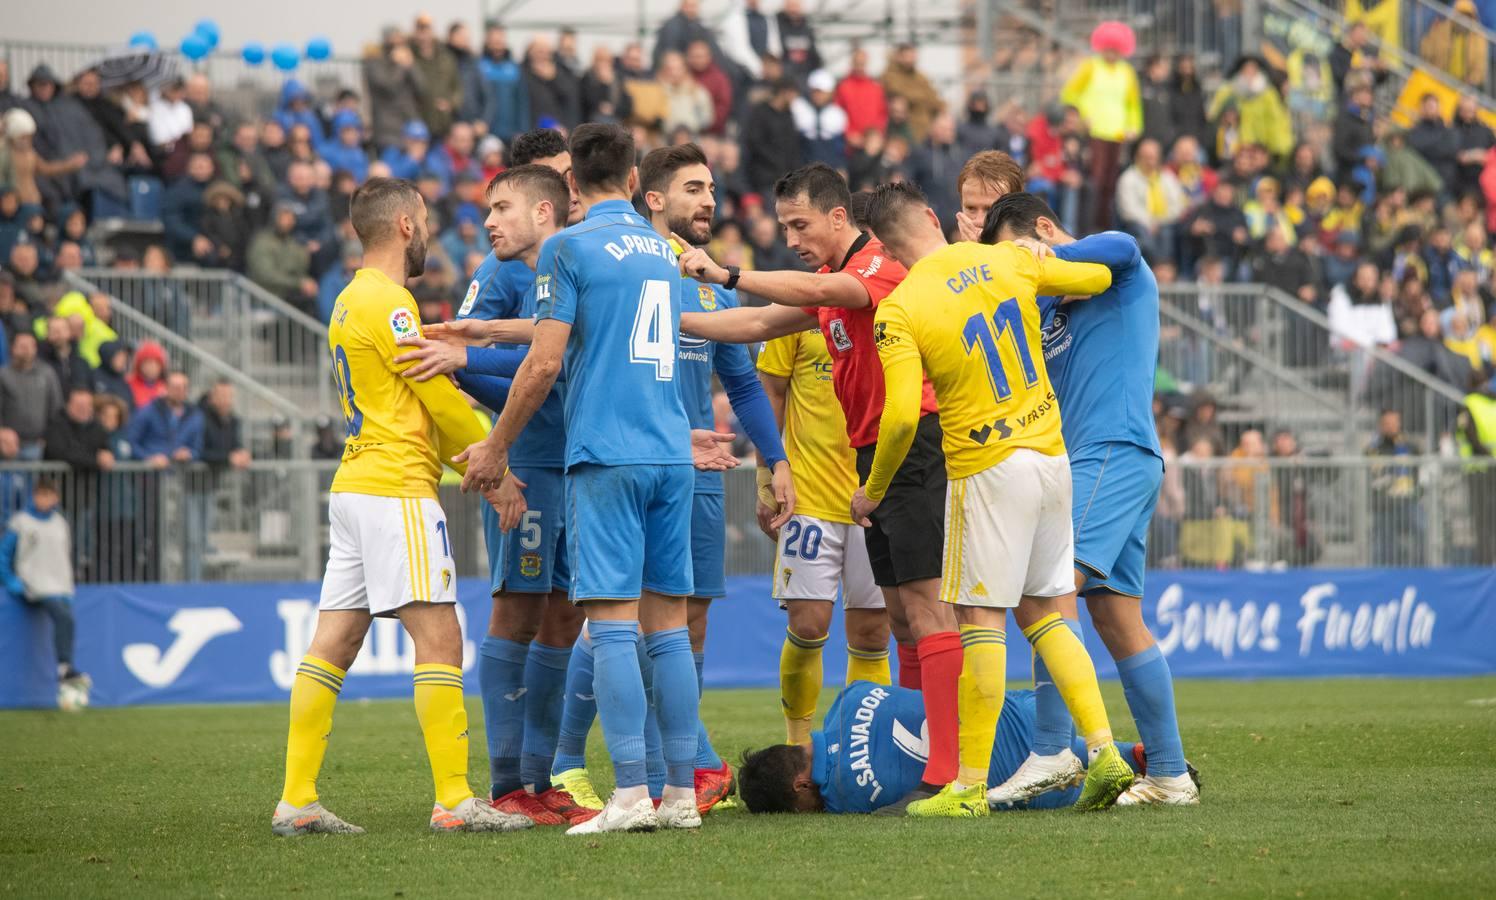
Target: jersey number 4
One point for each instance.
(652, 341)
(1007, 321)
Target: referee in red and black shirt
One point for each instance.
(905, 541)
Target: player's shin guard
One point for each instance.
(910, 675)
(545, 681)
(501, 682)
(706, 754)
(676, 701)
(983, 666)
(1075, 676)
(314, 693)
(444, 724)
(1053, 727)
(800, 678)
(1149, 688)
(940, 666)
(578, 709)
(621, 704)
(868, 665)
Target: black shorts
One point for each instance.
(907, 539)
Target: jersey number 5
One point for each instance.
(652, 341)
(353, 418)
(986, 333)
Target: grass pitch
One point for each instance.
(1311, 789)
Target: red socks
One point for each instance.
(940, 668)
(909, 674)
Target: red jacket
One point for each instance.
(719, 86)
(866, 105)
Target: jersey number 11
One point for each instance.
(1007, 320)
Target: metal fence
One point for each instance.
(268, 522)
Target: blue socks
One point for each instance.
(621, 704)
(545, 680)
(578, 709)
(654, 757)
(706, 754)
(1053, 727)
(1149, 688)
(501, 679)
(676, 698)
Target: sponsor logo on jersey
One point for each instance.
(543, 288)
(708, 298)
(873, 266)
(403, 323)
(469, 299)
(529, 565)
(881, 337)
(839, 336)
(1057, 335)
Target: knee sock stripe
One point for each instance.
(805, 643)
(1040, 629)
(320, 673)
(324, 665)
(867, 654)
(438, 679)
(330, 685)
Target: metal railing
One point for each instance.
(1416, 17)
(268, 522)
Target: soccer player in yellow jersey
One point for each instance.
(820, 547)
(966, 317)
(390, 552)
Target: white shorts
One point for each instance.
(815, 555)
(1008, 533)
(386, 552)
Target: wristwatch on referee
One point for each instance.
(733, 274)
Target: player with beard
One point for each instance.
(390, 554)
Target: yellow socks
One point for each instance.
(800, 683)
(868, 665)
(1074, 676)
(443, 721)
(979, 699)
(313, 695)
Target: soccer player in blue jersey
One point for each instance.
(608, 301)
(871, 750)
(679, 191)
(1101, 354)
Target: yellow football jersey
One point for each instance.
(399, 430)
(815, 429)
(968, 315)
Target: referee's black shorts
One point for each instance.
(907, 539)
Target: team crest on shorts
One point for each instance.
(708, 298)
(839, 336)
(446, 579)
(529, 565)
(470, 299)
(788, 572)
(402, 323)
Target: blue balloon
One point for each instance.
(209, 31)
(144, 40)
(254, 53)
(318, 48)
(285, 57)
(194, 47)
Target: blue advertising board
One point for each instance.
(201, 643)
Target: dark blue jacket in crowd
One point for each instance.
(340, 156)
(402, 164)
(182, 216)
(313, 217)
(155, 429)
(292, 91)
(506, 97)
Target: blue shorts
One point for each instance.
(629, 529)
(708, 544)
(532, 558)
(1115, 487)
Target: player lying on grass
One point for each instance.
(871, 750)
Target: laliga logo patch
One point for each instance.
(708, 298)
(402, 323)
(839, 336)
(529, 565)
(470, 299)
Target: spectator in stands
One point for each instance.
(394, 88)
(1156, 92)
(1208, 536)
(182, 212)
(336, 278)
(454, 158)
(34, 284)
(1151, 202)
(30, 394)
(199, 139)
(1218, 229)
(308, 204)
(109, 376)
(437, 78)
(76, 438)
(71, 151)
(345, 150)
(680, 30)
(1426, 351)
(295, 108)
(1244, 484)
(466, 235)
(280, 262)
(74, 230)
(688, 104)
(935, 166)
(199, 96)
(718, 86)
(148, 375)
(226, 223)
(1442, 264)
(797, 38)
(61, 353)
(1472, 138)
(18, 163)
(506, 98)
(1358, 315)
(328, 443)
(243, 165)
(605, 97)
(222, 440)
(862, 97)
(1436, 140)
(1477, 443)
(90, 329)
(408, 158)
(1265, 212)
(1263, 116)
(1203, 425)
(1397, 523)
(1455, 48)
(1406, 169)
(1353, 57)
(822, 123)
(1284, 266)
(14, 316)
(169, 115)
(903, 79)
(775, 148)
(555, 93)
(976, 131)
(1353, 128)
(169, 429)
(126, 139)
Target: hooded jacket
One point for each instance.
(109, 380)
(291, 92)
(142, 392)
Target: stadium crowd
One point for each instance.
(1386, 230)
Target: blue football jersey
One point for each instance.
(616, 283)
(1102, 352)
(873, 743)
(496, 289)
(700, 358)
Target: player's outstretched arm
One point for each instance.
(786, 287)
(482, 332)
(488, 459)
(745, 324)
(1072, 279)
(1113, 249)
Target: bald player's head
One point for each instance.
(387, 213)
(903, 220)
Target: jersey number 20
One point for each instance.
(982, 332)
(652, 341)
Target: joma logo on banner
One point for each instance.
(386, 651)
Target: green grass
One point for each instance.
(1312, 789)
